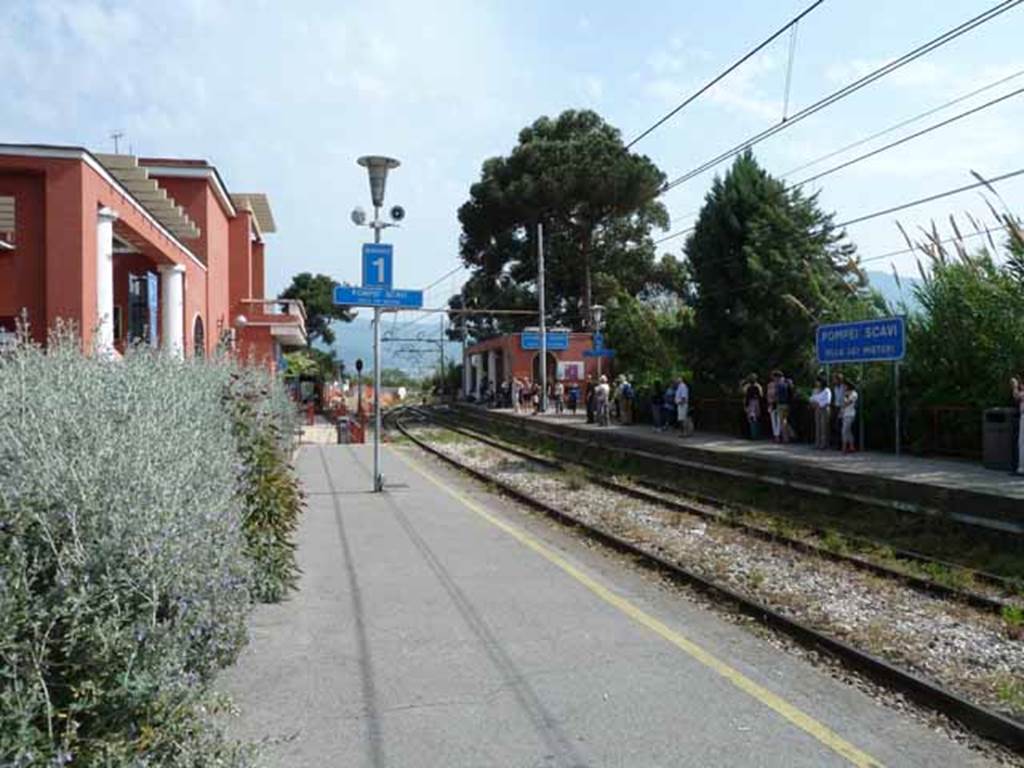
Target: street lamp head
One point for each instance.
(597, 312)
(377, 166)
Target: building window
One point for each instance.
(198, 338)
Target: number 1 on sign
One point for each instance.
(379, 264)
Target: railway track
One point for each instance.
(865, 541)
(927, 693)
(713, 509)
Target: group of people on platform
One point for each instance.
(834, 405)
(834, 408)
(604, 401)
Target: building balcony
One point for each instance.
(284, 318)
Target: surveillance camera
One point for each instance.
(358, 216)
(397, 213)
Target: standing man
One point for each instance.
(1017, 386)
(559, 392)
(821, 400)
(838, 398)
(682, 397)
(602, 393)
(783, 399)
(588, 395)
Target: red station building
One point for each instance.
(137, 250)
(504, 357)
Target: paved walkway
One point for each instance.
(946, 473)
(436, 625)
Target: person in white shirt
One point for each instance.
(1017, 386)
(683, 407)
(602, 393)
(838, 396)
(848, 414)
(821, 399)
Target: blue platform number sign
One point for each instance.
(556, 340)
(865, 341)
(377, 265)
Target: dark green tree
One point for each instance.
(597, 202)
(767, 265)
(317, 294)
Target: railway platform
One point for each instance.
(963, 490)
(438, 624)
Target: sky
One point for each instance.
(283, 97)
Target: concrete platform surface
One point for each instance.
(944, 473)
(439, 625)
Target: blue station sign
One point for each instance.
(865, 341)
(354, 296)
(378, 259)
(556, 340)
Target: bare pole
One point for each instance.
(543, 321)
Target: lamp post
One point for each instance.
(377, 167)
(597, 313)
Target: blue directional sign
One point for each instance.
(866, 341)
(599, 348)
(377, 265)
(353, 296)
(556, 340)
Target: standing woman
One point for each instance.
(752, 397)
(1017, 385)
(773, 404)
(849, 415)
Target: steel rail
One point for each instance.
(1001, 582)
(920, 583)
(925, 692)
(1015, 529)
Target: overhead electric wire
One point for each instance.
(910, 137)
(879, 134)
(903, 124)
(850, 89)
(711, 83)
(930, 198)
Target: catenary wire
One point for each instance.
(910, 137)
(721, 76)
(878, 134)
(849, 89)
(902, 124)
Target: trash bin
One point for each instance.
(999, 437)
(343, 432)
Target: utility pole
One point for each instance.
(377, 167)
(543, 322)
(441, 344)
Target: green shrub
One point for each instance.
(263, 420)
(124, 580)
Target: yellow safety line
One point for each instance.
(797, 717)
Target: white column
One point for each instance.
(466, 376)
(104, 340)
(172, 309)
(478, 369)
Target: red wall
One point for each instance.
(23, 270)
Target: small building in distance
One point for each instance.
(518, 355)
(137, 251)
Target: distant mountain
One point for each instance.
(886, 284)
